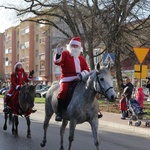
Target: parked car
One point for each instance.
(39, 93)
(5, 90)
(40, 86)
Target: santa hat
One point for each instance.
(17, 63)
(75, 41)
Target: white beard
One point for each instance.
(75, 52)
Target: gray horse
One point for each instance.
(83, 105)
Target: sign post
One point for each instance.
(140, 71)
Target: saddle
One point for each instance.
(70, 92)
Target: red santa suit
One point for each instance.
(71, 68)
(18, 78)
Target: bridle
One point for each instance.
(103, 91)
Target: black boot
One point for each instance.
(33, 110)
(100, 115)
(59, 109)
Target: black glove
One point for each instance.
(31, 73)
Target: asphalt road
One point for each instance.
(111, 139)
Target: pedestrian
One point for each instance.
(140, 96)
(128, 89)
(123, 106)
(73, 66)
(18, 78)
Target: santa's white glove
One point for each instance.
(59, 49)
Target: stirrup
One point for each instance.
(6, 110)
(58, 117)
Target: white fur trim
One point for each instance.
(18, 63)
(68, 79)
(17, 87)
(77, 64)
(84, 72)
(74, 42)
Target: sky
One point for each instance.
(8, 17)
(5, 20)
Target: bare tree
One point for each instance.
(124, 24)
(119, 24)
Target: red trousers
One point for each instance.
(64, 87)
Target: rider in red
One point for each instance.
(73, 66)
(18, 78)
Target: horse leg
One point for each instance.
(94, 127)
(45, 127)
(71, 133)
(5, 124)
(15, 123)
(28, 127)
(10, 117)
(62, 132)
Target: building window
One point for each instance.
(36, 68)
(37, 53)
(37, 38)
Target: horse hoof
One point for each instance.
(29, 136)
(16, 136)
(42, 144)
(4, 127)
(62, 148)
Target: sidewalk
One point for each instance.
(113, 120)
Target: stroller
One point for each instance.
(136, 112)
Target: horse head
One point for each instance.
(26, 97)
(103, 82)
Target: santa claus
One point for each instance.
(73, 66)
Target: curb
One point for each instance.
(142, 131)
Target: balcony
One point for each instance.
(42, 57)
(8, 63)
(42, 40)
(7, 51)
(24, 46)
(7, 38)
(24, 31)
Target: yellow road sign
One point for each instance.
(140, 53)
(140, 71)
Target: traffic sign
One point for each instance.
(108, 58)
(140, 71)
(140, 53)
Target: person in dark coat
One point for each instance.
(128, 89)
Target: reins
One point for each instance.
(102, 89)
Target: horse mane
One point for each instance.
(26, 95)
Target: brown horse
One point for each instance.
(24, 108)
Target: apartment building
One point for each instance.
(29, 43)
